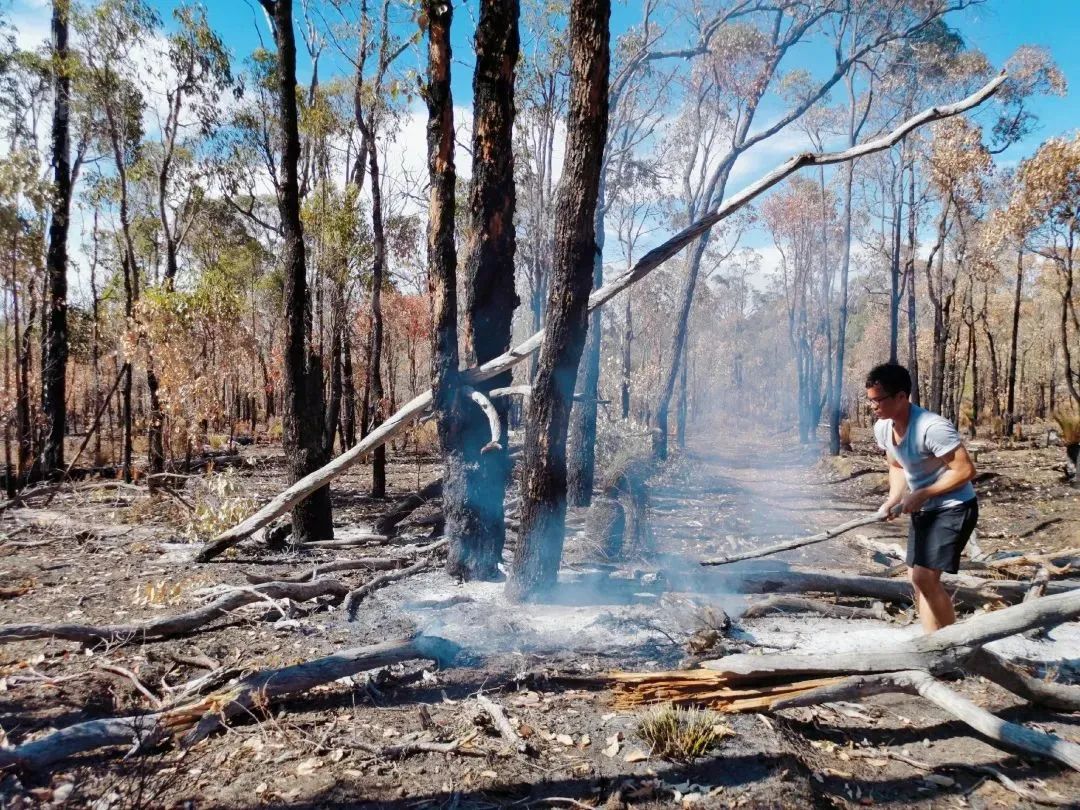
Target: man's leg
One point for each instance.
(933, 602)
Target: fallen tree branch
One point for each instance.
(967, 591)
(494, 425)
(179, 623)
(357, 595)
(407, 505)
(423, 747)
(649, 262)
(498, 717)
(795, 604)
(1058, 696)
(828, 534)
(919, 682)
(348, 542)
(249, 696)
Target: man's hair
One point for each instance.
(891, 377)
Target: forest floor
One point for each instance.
(103, 555)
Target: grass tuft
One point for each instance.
(682, 734)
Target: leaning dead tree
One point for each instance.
(649, 262)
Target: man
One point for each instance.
(927, 459)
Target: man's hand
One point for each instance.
(888, 510)
(913, 501)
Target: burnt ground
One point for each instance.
(107, 555)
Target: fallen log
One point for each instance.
(795, 604)
(179, 623)
(967, 591)
(248, 697)
(788, 545)
(649, 262)
(919, 682)
(407, 505)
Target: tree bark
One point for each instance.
(1010, 403)
(582, 435)
(54, 348)
(543, 507)
(303, 415)
(378, 269)
(475, 519)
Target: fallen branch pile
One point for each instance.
(191, 722)
(754, 682)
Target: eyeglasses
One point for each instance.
(878, 400)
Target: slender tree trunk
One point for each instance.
(348, 392)
(680, 400)
(1010, 403)
(447, 402)
(303, 415)
(912, 311)
(841, 326)
(543, 506)
(54, 349)
(627, 346)
(582, 438)
(477, 531)
(378, 270)
(894, 272)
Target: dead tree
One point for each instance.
(303, 416)
(475, 519)
(649, 262)
(54, 348)
(543, 490)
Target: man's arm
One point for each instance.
(897, 485)
(959, 469)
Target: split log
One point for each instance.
(788, 545)
(177, 624)
(248, 697)
(794, 604)
(918, 682)
(649, 262)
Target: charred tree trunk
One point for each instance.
(447, 402)
(628, 341)
(912, 312)
(54, 348)
(582, 437)
(303, 415)
(543, 501)
(348, 420)
(475, 519)
(378, 271)
(1010, 403)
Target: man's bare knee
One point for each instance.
(924, 579)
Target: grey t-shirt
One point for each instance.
(928, 438)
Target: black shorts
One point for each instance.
(936, 538)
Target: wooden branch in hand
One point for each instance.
(178, 623)
(247, 697)
(776, 548)
(649, 262)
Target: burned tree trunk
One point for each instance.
(54, 341)
(475, 520)
(1010, 404)
(378, 269)
(442, 286)
(582, 437)
(543, 501)
(303, 396)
